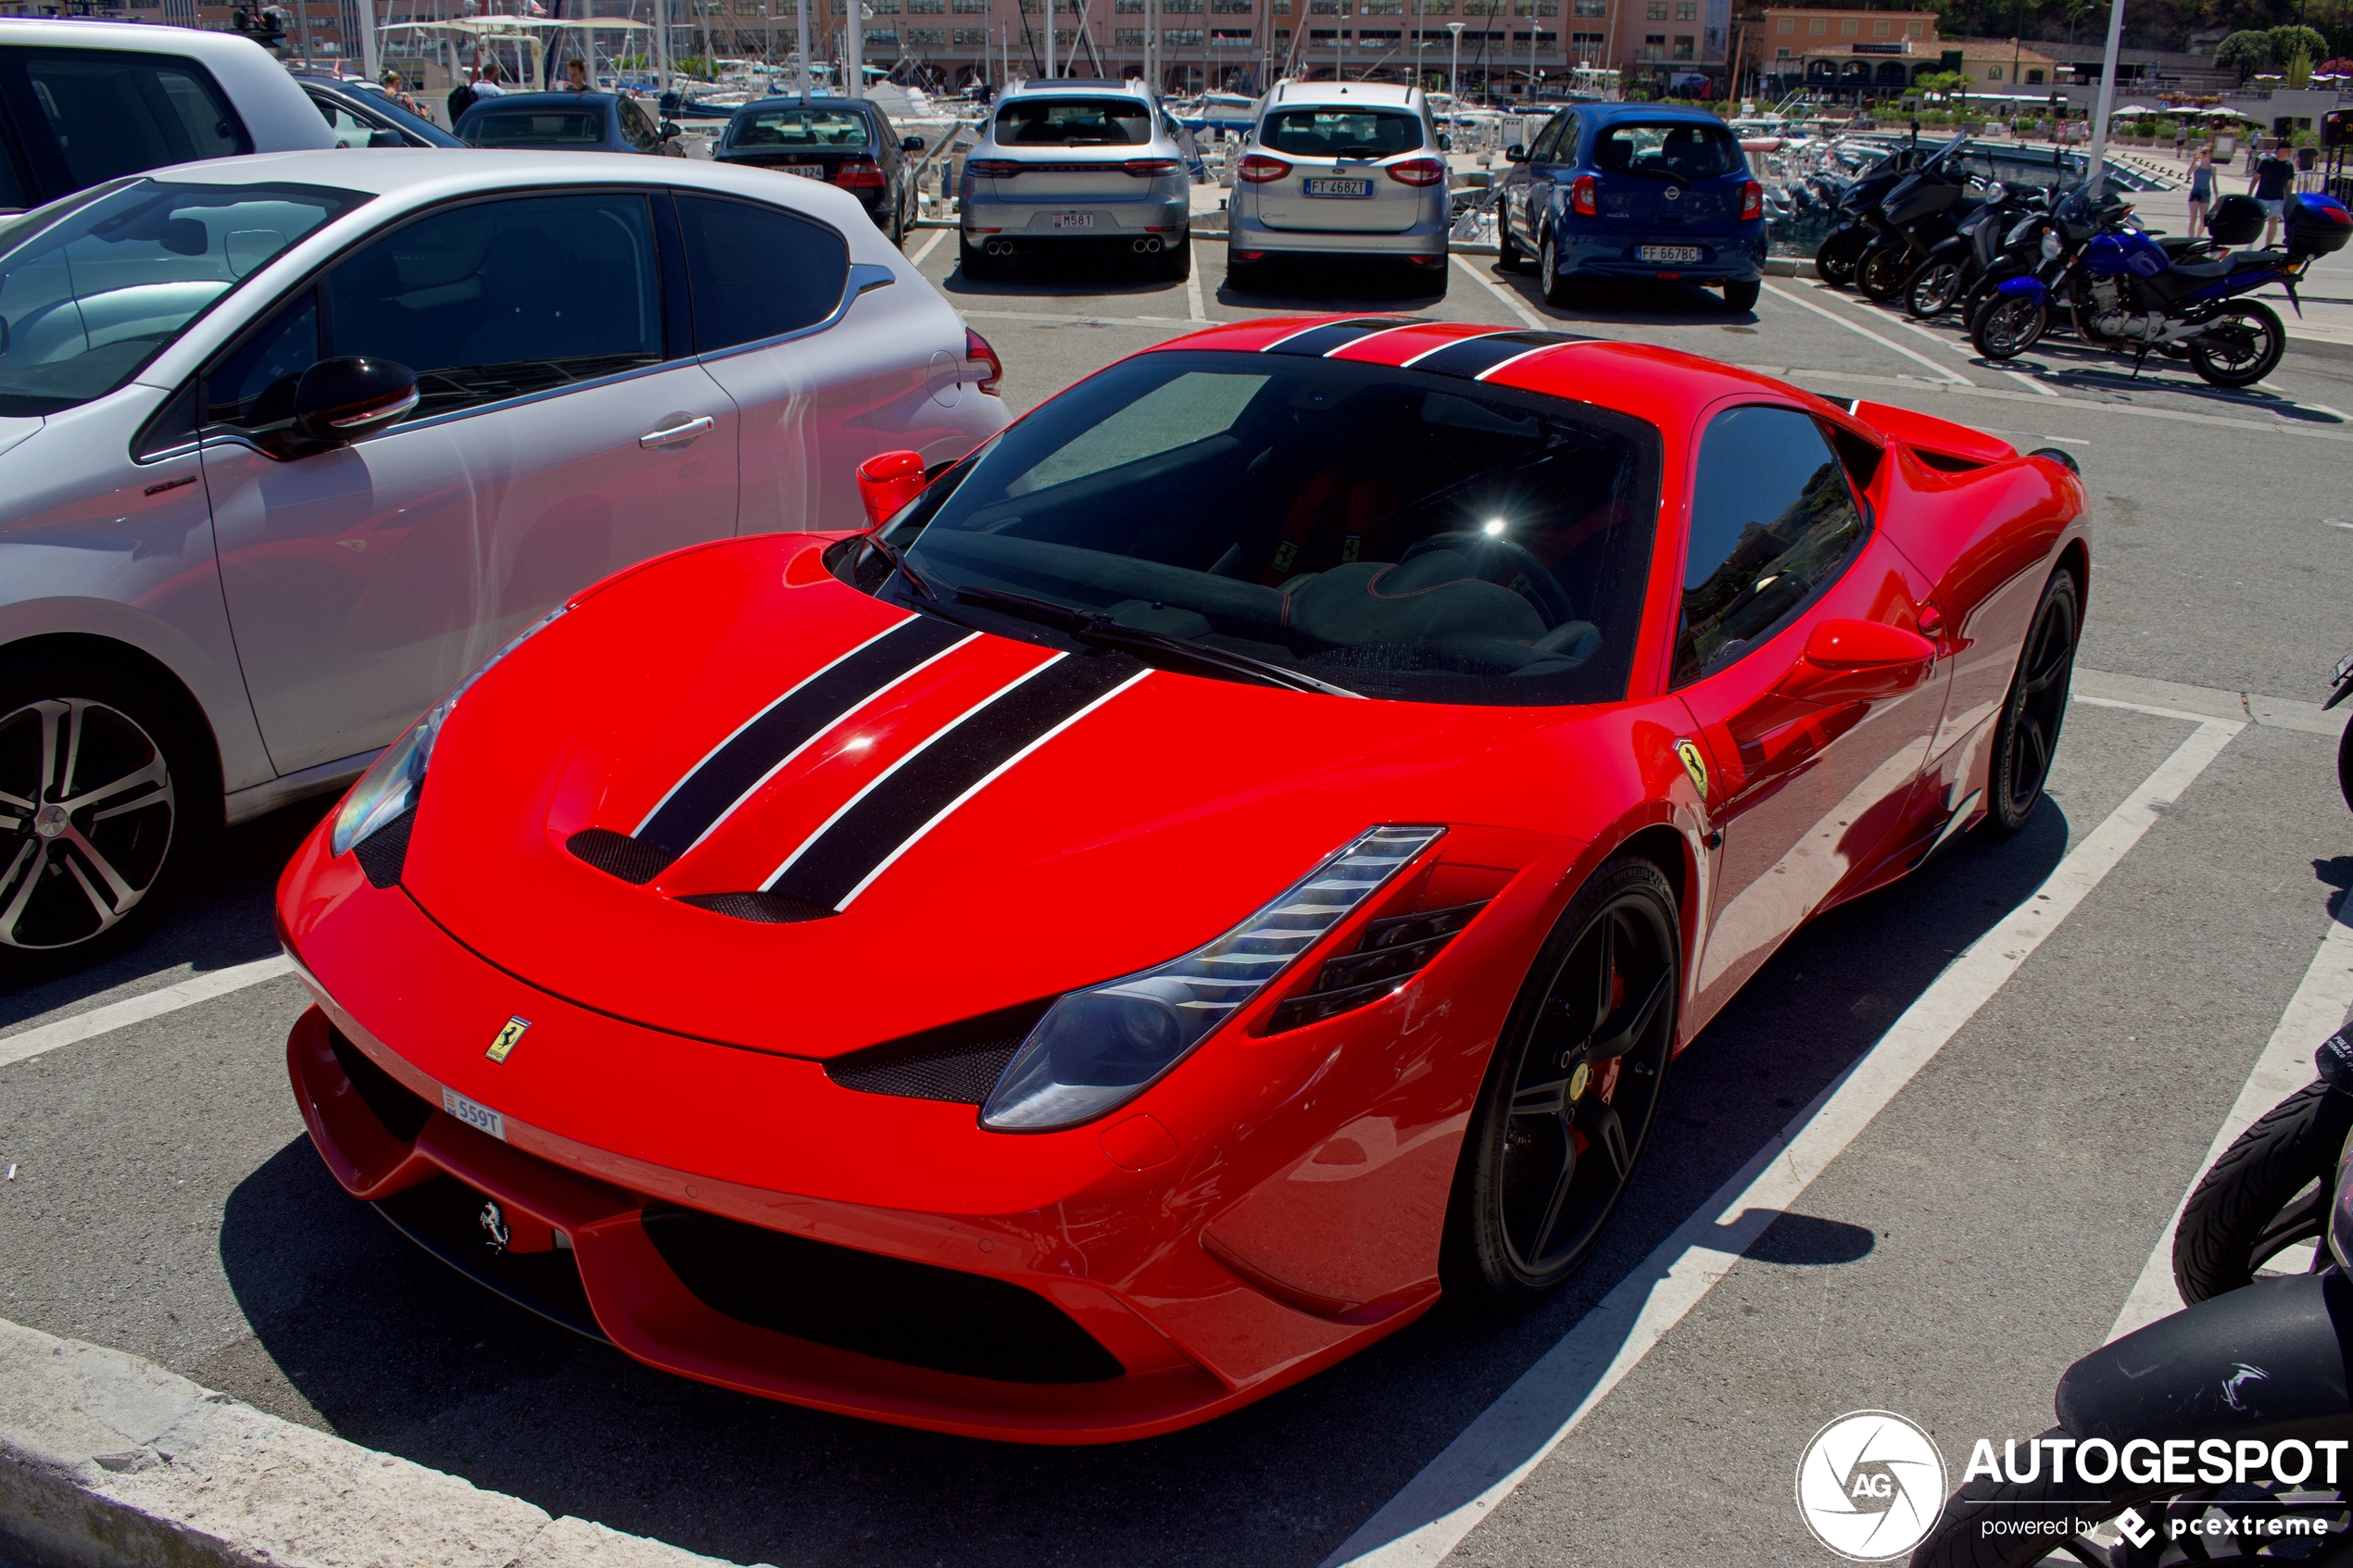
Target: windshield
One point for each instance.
(1405, 536)
(797, 128)
(534, 128)
(94, 288)
(379, 104)
(1073, 123)
(1342, 132)
(1676, 150)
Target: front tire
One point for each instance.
(1570, 1091)
(2269, 1192)
(2008, 324)
(2344, 765)
(2028, 730)
(2251, 341)
(1931, 291)
(1884, 273)
(109, 797)
(1741, 296)
(1835, 259)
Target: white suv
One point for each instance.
(1067, 162)
(1340, 168)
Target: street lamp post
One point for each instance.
(1455, 65)
(804, 48)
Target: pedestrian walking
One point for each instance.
(2181, 141)
(461, 99)
(486, 81)
(2272, 174)
(2201, 189)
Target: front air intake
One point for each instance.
(1391, 952)
(958, 1063)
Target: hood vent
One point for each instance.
(616, 854)
(1392, 951)
(764, 908)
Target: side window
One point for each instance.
(255, 385)
(1772, 526)
(502, 298)
(349, 129)
(757, 272)
(112, 114)
(1547, 140)
(638, 126)
(1566, 151)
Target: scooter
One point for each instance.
(1911, 220)
(2220, 1433)
(1955, 263)
(1842, 249)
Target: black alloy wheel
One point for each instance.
(1571, 1091)
(2008, 324)
(2242, 343)
(2029, 727)
(1932, 288)
(1884, 273)
(104, 798)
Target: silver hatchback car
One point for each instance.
(291, 443)
(1340, 168)
(1068, 162)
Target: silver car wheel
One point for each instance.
(87, 812)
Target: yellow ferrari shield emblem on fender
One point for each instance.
(1693, 765)
(506, 1039)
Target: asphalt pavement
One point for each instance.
(1957, 1249)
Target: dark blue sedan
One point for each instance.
(1635, 191)
(567, 122)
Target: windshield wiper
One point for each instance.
(1098, 630)
(897, 560)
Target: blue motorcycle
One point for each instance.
(2127, 292)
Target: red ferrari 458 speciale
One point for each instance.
(1231, 857)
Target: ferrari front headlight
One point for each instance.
(1098, 1048)
(389, 787)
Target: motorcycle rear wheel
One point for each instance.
(2008, 324)
(1932, 289)
(1884, 273)
(2240, 352)
(2268, 1192)
(1835, 261)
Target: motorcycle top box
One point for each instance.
(2316, 224)
(2237, 220)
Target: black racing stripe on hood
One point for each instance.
(1319, 341)
(903, 805)
(1474, 356)
(705, 795)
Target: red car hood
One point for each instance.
(986, 822)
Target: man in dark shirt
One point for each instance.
(2272, 176)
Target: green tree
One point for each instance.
(2245, 52)
(2288, 42)
(2299, 70)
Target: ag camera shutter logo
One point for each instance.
(1870, 1486)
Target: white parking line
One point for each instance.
(2030, 383)
(1860, 329)
(928, 246)
(139, 1008)
(1499, 1449)
(1906, 323)
(1512, 301)
(2313, 1013)
(1192, 293)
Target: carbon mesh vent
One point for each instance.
(383, 852)
(959, 1063)
(767, 908)
(916, 1314)
(616, 854)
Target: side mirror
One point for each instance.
(385, 138)
(911, 143)
(671, 128)
(339, 401)
(1445, 143)
(1514, 154)
(887, 482)
(1851, 659)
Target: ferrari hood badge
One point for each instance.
(1692, 764)
(503, 1043)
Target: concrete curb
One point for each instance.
(108, 1460)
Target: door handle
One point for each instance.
(670, 435)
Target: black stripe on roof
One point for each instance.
(801, 714)
(1475, 355)
(1319, 341)
(904, 802)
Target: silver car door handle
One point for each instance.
(673, 433)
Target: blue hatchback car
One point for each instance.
(1635, 191)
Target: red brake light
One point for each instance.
(977, 347)
(1417, 171)
(1148, 168)
(1752, 201)
(992, 168)
(1258, 169)
(1584, 197)
(858, 174)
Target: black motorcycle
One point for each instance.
(1842, 249)
(1955, 262)
(1917, 215)
(2255, 1369)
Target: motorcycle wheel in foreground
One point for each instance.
(2010, 323)
(2243, 1400)
(2341, 677)
(2269, 1192)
